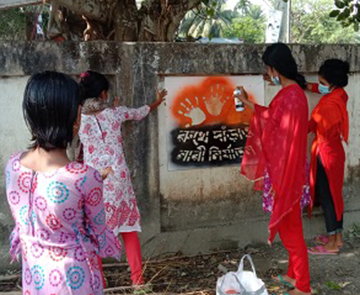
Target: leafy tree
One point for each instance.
(247, 29)
(248, 26)
(347, 12)
(207, 20)
(12, 24)
(243, 6)
(311, 24)
(120, 20)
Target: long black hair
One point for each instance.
(279, 57)
(93, 84)
(336, 72)
(50, 109)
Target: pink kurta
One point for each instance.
(103, 147)
(60, 228)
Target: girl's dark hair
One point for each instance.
(335, 71)
(50, 109)
(92, 84)
(279, 57)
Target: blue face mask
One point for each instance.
(324, 89)
(276, 80)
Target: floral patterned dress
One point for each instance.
(268, 196)
(59, 228)
(103, 147)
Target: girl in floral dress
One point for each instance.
(102, 141)
(56, 204)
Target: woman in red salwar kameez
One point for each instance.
(330, 124)
(277, 143)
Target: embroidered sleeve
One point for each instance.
(130, 114)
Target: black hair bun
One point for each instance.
(339, 65)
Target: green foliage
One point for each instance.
(12, 24)
(333, 286)
(347, 12)
(208, 20)
(249, 26)
(353, 232)
(247, 29)
(17, 23)
(311, 24)
(243, 6)
(211, 20)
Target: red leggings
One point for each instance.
(133, 254)
(291, 234)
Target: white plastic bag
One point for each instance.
(241, 282)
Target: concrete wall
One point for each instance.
(195, 210)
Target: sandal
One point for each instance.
(319, 250)
(321, 240)
(283, 282)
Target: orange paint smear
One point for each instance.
(208, 103)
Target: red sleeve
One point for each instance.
(262, 111)
(315, 88)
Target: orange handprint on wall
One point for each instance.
(208, 103)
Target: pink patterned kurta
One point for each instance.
(60, 228)
(103, 147)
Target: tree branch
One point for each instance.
(93, 9)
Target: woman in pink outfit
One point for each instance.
(102, 141)
(56, 204)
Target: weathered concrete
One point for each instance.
(194, 210)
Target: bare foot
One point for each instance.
(339, 240)
(331, 247)
(297, 292)
(286, 278)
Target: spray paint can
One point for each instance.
(239, 106)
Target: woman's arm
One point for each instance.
(136, 114)
(160, 98)
(313, 87)
(245, 98)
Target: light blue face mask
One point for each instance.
(276, 80)
(324, 89)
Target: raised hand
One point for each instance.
(267, 78)
(160, 98)
(105, 172)
(160, 95)
(116, 102)
(244, 97)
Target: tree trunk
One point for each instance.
(125, 21)
(160, 19)
(156, 20)
(93, 9)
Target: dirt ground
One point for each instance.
(197, 275)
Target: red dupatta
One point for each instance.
(277, 141)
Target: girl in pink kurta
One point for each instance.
(57, 205)
(102, 141)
